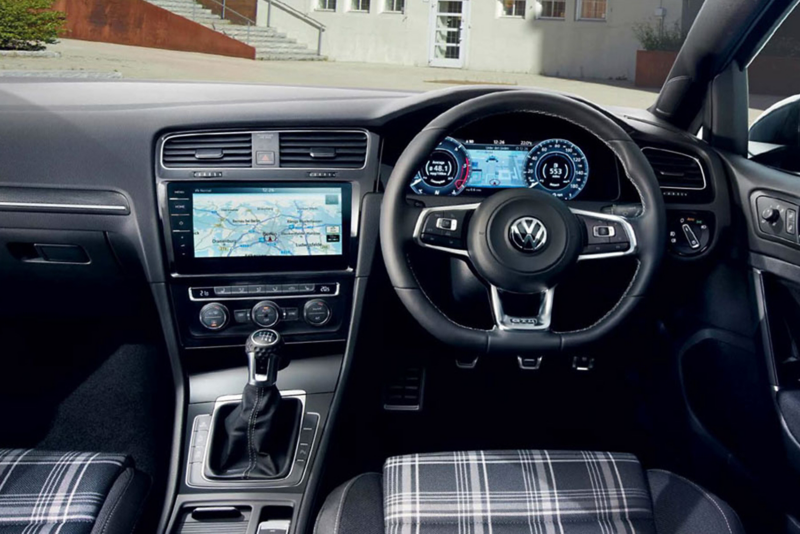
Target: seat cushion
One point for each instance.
(683, 507)
(511, 492)
(68, 492)
(516, 491)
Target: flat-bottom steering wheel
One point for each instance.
(520, 241)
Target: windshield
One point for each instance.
(612, 52)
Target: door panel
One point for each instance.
(773, 255)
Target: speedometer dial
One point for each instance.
(557, 166)
(446, 171)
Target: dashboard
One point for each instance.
(520, 151)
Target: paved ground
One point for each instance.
(103, 60)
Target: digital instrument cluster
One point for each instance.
(557, 166)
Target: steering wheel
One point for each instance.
(520, 241)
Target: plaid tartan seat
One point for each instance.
(58, 492)
(523, 491)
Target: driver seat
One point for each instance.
(524, 491)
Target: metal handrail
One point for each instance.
(296, 13)
(317, 25)
(225, 11)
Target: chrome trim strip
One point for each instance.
(543, 318)
(634, 246)
(421, 221)
(96, 207)
(265, 297)
(697, 160)
(252, 167)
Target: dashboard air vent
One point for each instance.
(675, 170)
(220, 150)
(323, 150)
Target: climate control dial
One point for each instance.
(317, 312)
(214, 316)
(266, 313)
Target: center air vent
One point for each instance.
(209, 151)
(323, 150)
(675, 170)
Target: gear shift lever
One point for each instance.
(259, 434)
(262, 357)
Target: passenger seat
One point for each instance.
(69, 492)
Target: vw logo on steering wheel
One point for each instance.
(528, 234)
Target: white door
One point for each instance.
(449, 22)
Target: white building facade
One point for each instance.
(568, 38)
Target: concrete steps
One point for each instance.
(270, 44)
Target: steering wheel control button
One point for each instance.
(528, 234)
(448, 225)
(444, 229)
(214, 316)
(604, 231)
(317, 312)
(266, 313)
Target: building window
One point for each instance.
(326, 5)
(394, 6)
(592, 9)
(359, 5)
(553, 9)
(514, 8)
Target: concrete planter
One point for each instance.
(652, 67)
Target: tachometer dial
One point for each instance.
(557, 166)
(446, 172)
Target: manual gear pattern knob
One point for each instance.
(262, 357)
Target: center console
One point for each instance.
(261, 240)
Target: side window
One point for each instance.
(553, 9)
(592, 9)
(394, 6)
(513, 8)
(359, 6)
(326, 5)
(775, 99)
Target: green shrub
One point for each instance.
(654, 35)
(29, 24)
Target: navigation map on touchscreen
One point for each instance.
(268, 222)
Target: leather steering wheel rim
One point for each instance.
(649, 226)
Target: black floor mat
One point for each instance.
(125, 406)
(121, 407)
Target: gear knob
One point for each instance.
(262, 349)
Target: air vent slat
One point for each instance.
(209, 151)
(675, 170)
(323, 150)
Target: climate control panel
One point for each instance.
(223, 315)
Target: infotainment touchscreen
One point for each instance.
(267, 221)
(254, 227)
